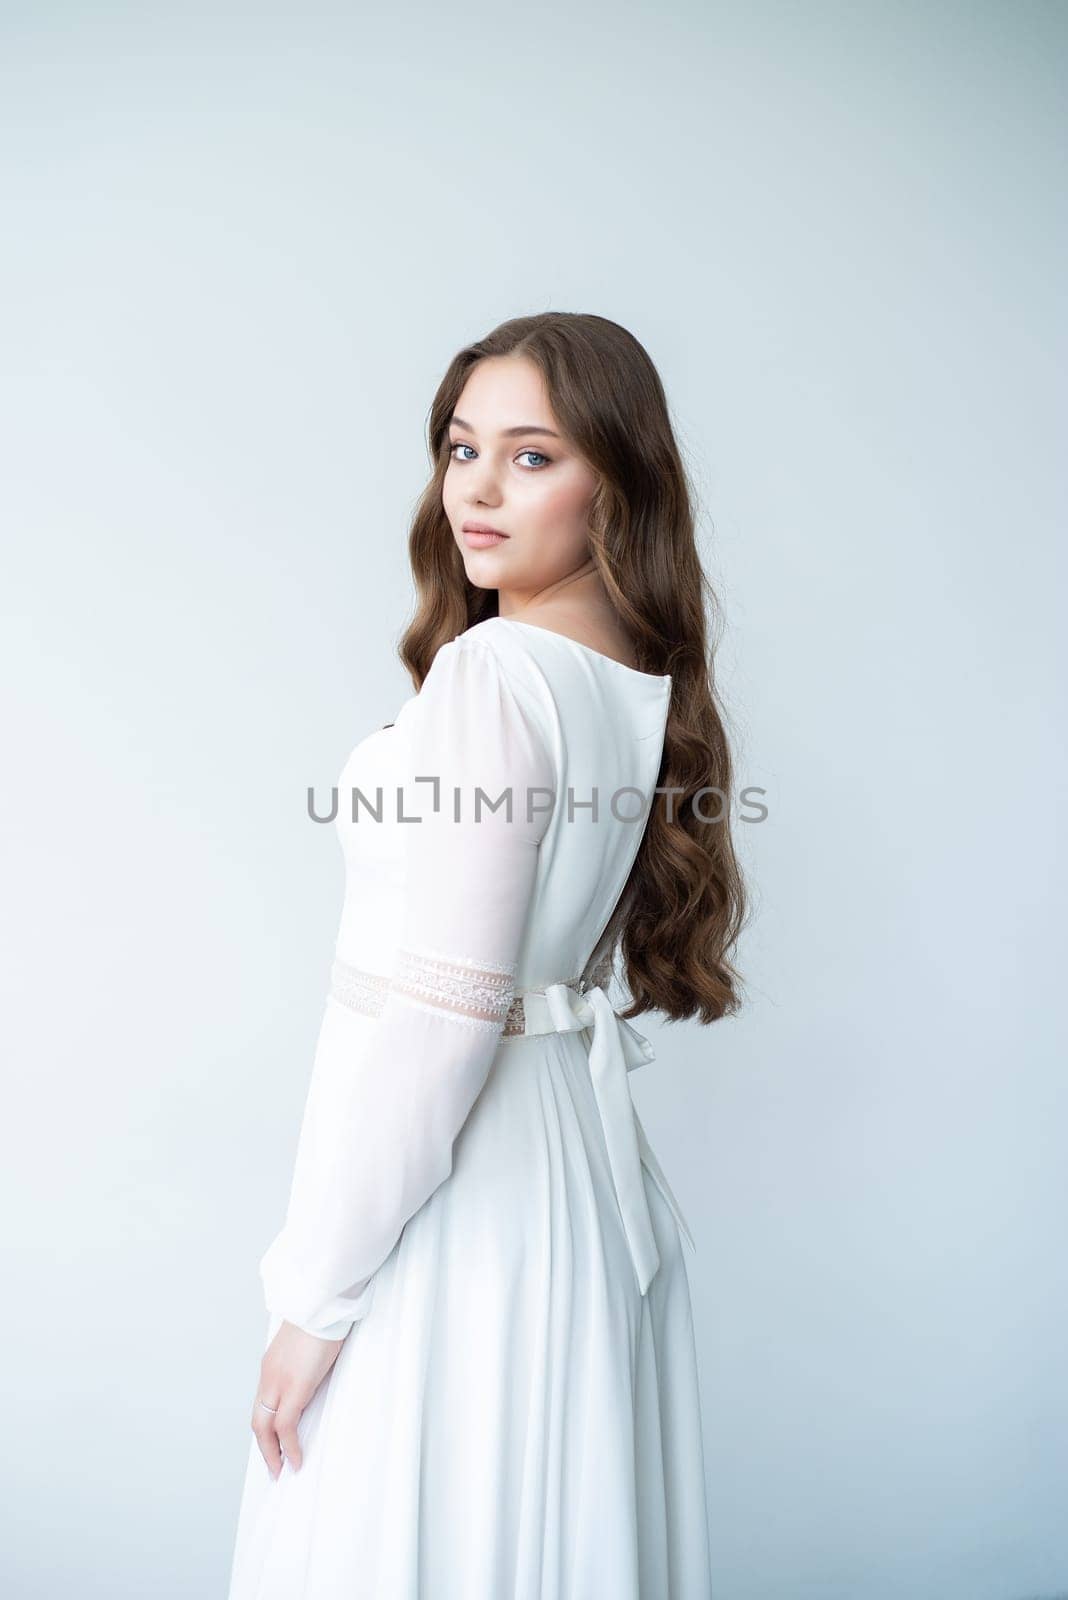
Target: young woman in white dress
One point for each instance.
(480, 1377)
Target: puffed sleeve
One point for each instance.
(481, 782)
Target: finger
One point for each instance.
(264, 1426)
(288, 1437)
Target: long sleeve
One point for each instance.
(386, 1120)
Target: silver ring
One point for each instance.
(272, 1409)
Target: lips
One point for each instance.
(480, 536)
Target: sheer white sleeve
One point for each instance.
(481, 781)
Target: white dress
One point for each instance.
(514, 1413)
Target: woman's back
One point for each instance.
(603, 724)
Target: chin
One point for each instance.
(484, 568)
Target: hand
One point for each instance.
(293, 1366)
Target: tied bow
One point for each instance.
(616, 1048)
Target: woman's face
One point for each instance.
(511, 469)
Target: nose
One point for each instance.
(481, 486)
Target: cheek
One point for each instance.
(448, 492)
(561, 505)
(556, 524)
(560, 516)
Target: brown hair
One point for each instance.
(684, 903)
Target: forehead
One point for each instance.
(504, 395)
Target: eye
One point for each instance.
(542, 459)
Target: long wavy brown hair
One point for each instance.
(684, 904)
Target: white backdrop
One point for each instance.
(240, 247)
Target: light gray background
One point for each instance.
(239, 249)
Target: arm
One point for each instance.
(386, 1119)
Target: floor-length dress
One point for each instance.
(514, 1413)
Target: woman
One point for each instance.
(481, 1378)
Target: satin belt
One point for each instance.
(615, 1048)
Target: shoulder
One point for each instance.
(490, 668)
(492, 635)
(490, 644)
(486, 641)
(502, 652)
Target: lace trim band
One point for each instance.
(469, 991)
(482, 994)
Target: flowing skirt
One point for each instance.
(512, 1419)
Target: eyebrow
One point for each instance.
(506, 433)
